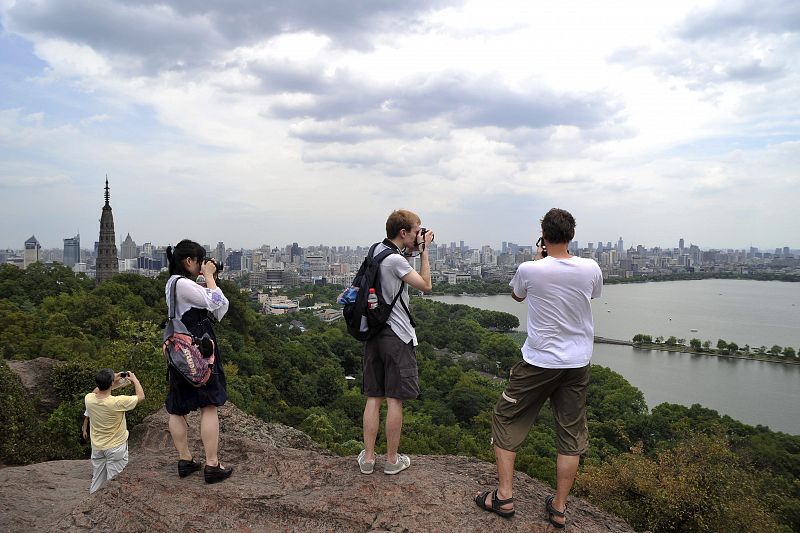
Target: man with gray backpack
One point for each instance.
(377, 311)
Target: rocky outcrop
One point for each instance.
(36, 377)
(35, 497)
(284, 482)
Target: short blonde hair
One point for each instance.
(400, 219)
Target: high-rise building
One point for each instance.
(234, 261)
(680, 245)
(295, 254)
(219, 252)
(148, 249)
(620, 249)
(107, 260)
(32, 251)
(129, 248)
(72, 251)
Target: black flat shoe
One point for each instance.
(215, 474)
(186, 468)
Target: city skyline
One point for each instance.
(120, 241)
(663, 122)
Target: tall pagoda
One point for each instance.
(107, 261)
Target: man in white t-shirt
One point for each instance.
(390, 362)
(558, 289)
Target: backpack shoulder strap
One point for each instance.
(390, 249)
(172, 307)
(403, 303)
(384, 254)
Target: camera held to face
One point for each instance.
(420, 244)
(540, 244)
(220, 266)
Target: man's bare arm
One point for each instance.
(137, 386)
(422, 280)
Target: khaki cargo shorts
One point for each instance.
(528, 388)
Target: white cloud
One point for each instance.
(275, 112)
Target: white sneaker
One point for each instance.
(365, 466)
(403, 462)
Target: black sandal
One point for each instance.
(497, 503)
(551, 512)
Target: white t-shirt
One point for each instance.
(190, 294)
(393, 268)
(558, 293)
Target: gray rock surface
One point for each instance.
(35, 497)
(283, 482)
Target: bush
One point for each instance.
(22, 437)
(699, 485)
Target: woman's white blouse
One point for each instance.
(190, 294)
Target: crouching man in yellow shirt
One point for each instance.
(109, 431)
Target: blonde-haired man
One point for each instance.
(390, 363)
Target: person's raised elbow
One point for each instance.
(421, 283)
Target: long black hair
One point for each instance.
(184, 249)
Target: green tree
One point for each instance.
(318, 426)
(695, 344)
(775, 350)
(499, 347)
(672, 341)
(330, 383)
(789, 352)
(467, 398)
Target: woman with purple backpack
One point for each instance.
(194, 306)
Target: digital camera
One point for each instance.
(540, 244)
(420, 244)
(220, 266)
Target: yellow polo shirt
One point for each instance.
(107, 419)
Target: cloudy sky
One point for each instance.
(257, 122)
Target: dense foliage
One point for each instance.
(637, 465)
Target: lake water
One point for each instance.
(743, 311)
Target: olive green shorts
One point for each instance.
(528, 388)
